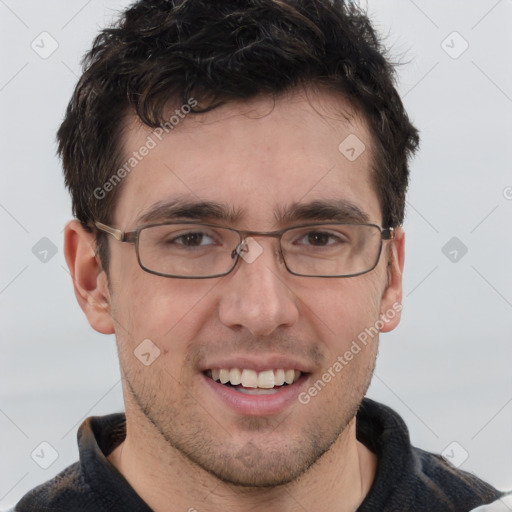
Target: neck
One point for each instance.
(167, 481)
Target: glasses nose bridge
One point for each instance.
(244, 235)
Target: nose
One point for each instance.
(257, 295)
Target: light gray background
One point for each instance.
(446, 369)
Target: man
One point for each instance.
(238, 173)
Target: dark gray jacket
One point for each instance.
(407, 479)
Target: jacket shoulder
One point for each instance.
(504, 504)
(450, 484)
(57, 494)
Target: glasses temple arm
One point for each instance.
(116, 233)
(388, 233)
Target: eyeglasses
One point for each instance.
(191, 250)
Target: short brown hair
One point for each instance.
(222, 50)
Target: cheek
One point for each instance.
(158, 308)
(344, 316)
(347, 305)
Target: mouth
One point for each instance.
(252, 382)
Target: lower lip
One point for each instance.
(257, 405)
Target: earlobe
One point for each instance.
(89, 279)
(391, 303)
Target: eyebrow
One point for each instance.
(339, 210)
(193, 210)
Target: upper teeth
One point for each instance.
(252, 379)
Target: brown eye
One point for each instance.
(190, 239)
(318, 238)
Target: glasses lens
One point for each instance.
(187, 250)
(331, 249)
(199, 250)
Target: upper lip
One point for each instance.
(257, 364)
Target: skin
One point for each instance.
(183, 445)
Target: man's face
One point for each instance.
(255, 160)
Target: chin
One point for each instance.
(259, 463)
(252, 469)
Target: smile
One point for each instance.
(251, 382)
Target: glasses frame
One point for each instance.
(132, 237)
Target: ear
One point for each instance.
(89, 279)
(391, 303)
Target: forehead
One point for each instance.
(258, 161)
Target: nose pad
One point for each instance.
(249, 249)
(238, 249)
